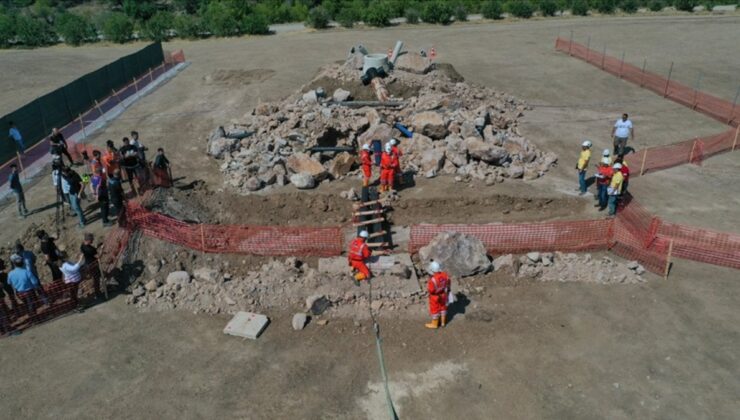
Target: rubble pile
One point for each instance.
(458, 129)
(564, 267)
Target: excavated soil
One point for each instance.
(359, 92)
(238, 77)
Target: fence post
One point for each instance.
(621, 66)
(642, 166)
(642, 78)
(737, 132)
(588, 48)
(696, 90)
(135, 86)
(20, 161)
(668, 260)
(670, 71)
(150, 75)
(734, 103)
(603, 57)
(202, 238)
(570, 44)
(82, 125)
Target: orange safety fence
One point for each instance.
(718, 108)
(237, 239)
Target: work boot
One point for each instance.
(434, 324)
(444, 320)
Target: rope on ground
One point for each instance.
(381, 360)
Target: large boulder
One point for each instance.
(341, 165)
(456, 151)
(432, 161)
(430, 123)
(303, 181)
(301, 163)
(380, 131)
(414, 62)
(220, 146)
(460, 255)
(341, 95)
(489, 153)
(178, 277)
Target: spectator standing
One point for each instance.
(622, 132)
(16, 136)
(100, 191)
(139, 146)
(5, 313)
(615, 188)
(582, 165)
(162, 172)
(604, 173)
(15, 185)
(130, 162)
(29, 258)
(90, 267)
(115, 192)
(6, 288)
(625, 170)
(110, 158)
(59, 145)
(74, 183)
(72, 278)
(25, 284)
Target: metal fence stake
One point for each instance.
(670, 71)
(621, 66)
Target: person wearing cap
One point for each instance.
(358, 254)
(582, 164)
(366, 163)
(615, 188)
(438, 287)
(608, 155)
(25, 284)
(622, 132)
(604, 173)
(74, 187)
(14, 180)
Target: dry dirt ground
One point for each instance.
(662, 349)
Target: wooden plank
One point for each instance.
(377, 234)
(368, 212)
(377, 244)
(382, 201)
(369, 222)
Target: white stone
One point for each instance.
(246, 325)
(178, 277)
(299, 321)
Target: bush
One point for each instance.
(378, 13)
(299, 12)
(685, 5)
(579, 8)
(347, 17)
(75, 29)
(33, 32)
(548, 7)
(158, 27)
(606, 6)
(656, 5)
(708, 5)
(438, 11)
(491, 9)
(187, 26)
(461, 13)
(139, 9)
(255, 24)
(412, 16)
(520, 8)
(629, 6)
(7, 30)
(220, 19)
(117, 27)
(318, 18)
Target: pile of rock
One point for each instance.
(458, 128)
(562, 267)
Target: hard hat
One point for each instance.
(365, 146)
(617, 165)
(394, 142)
(364, 234)
(586, 143)
(606, 152)
(434, 267)
(388, 147)
(605, 160)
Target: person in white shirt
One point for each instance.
(622, 132)
(72, 278)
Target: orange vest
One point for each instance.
(386, 161)
(358, 250)
(439, 283)
(606, 173)
(365, 158)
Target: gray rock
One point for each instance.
(460, 255)
(430, 123)
(206, 274)
(480, 150)
(341, 165)
(632, 265)
(432, 160)
(138, 291)
(546, 261)
(317, 304)
(299, 321)
(310, 97)
(640, 270)
(303, 181)
(414, 62)
(151, 286)
(301, 163)
(506, 262)
(534, 256)
(178, 277)
(531, 173)
(515, 171)
(253, 184)
(341, 95)
(219, 147)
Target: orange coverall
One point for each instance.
(359, 252)
(438, 286)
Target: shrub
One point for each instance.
(548, 7)
(33, 32)
(220, 19)
(606, 6)
(656, 5)
(685, 5)
(461, 13)
(708, 5)
(158, 27)
(139, 9)
(347, 17)
(520, 8)
(629, 6)
(187, 26)
(299, 12)
(412, 16)
(188, 6)
(7, 30)
(492, 9)
(378, 13)
(255, 24)
(579, 8)
(318, 18)
(437, 12)
(75, 29)
(117, 27)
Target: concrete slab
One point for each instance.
(246, 325)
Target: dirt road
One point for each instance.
(664, 349)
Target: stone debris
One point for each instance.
(459, 255)
(299, 321)
(458, 129)
(564, 267)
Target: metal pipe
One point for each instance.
(396, 51)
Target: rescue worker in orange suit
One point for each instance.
(366, 161)
(396, 153)
(359, 252)
(387, 168)
(438, 287)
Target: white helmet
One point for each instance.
(388, 147)
(394, 142)
(617, 165)
(605, 160)
(364, 234)
(606, 152)
(434, 267)
(586, 143)
(365, 146)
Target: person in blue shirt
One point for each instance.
(29, 258)
(15, 185)
(15, 135)
(24, 283)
